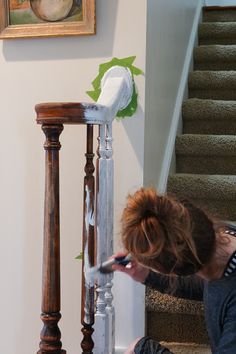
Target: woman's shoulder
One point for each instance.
(224, 284)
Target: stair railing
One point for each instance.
(97, 299)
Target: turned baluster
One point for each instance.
(50, 334)
(101, 325)
(87, 306)
(109, 226)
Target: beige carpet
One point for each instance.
(187, 348)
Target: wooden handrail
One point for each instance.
(71, 113)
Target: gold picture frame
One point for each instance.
(22, 18)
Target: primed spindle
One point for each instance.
(101, 324)
(87, 306)
(109, 226)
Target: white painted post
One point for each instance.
(117, 90)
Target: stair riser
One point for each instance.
(180, 327)
(224, 209)
(219, 16)
(212, 57)
(209, 117)
(223, 127)
(215, 66)
(210, 187)
(227, 95)
(211, 165)
(217, 33)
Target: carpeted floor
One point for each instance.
(205, 165)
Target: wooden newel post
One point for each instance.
(50, 334)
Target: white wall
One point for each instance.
(169, 26)
(59, 69)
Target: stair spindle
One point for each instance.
(87, 306)
(109, 225)
(50, 334)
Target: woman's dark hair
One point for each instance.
(166, 234)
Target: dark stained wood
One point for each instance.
(69, 113)
(222, 8)
(50, 334)
(87, 342)
(52, 116)
(87, 299)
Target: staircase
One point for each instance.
(205, 165)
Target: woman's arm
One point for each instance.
(190, 287)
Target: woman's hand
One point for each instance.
(134, 269)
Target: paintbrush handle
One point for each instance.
(124, 260)
(106, 266)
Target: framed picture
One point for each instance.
(46, 18)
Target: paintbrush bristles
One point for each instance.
(106, 267)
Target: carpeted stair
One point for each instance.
(205, 165)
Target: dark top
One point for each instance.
(219, 297)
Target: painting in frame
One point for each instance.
(44, 18)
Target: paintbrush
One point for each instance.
(106, 266)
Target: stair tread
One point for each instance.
(186, 348)
(202, 109)
(206, 145)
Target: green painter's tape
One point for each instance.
(128, 63)
(80, 256)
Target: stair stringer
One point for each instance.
(168, 164)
